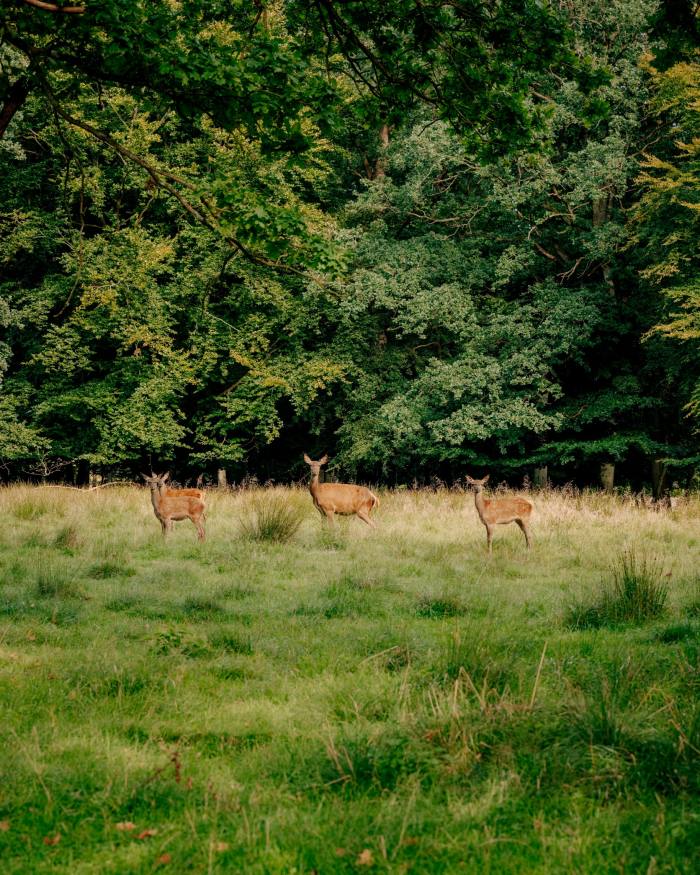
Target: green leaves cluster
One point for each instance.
(439, 238)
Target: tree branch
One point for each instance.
(52, 7)
(203, 212)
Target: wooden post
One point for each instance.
(607, 476)
(541, 478)
(221, 478)
(658, 479)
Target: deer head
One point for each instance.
(477, 485)
(155, 481)
(315, 466)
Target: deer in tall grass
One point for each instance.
(344, 498)
(170, 505)
(499, 511)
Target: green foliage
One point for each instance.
(400, 232)
(667, 217)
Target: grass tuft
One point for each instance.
(440, 606)
(67, 538)
(105, 570)
(679, 632)
(270, 517)
(637, 593)
(54, 581)
(230, 642)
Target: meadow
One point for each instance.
(386, 700)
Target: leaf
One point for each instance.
(125, 825)
(365, 858)
(221, 846)
(164, 859)
(4, 825)
(31, 636)
(52, 840)
(147, 833)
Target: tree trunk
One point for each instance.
(379, 167)
(607, 476)
(541, 478)
(221, 478)
(14, 101)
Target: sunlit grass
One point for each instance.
(277, 707)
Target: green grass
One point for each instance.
(384, 700)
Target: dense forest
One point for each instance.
(426, 238)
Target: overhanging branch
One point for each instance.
(202, 212)
(53, 7)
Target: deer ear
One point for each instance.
(165, 476)
(323, 459)
(307, 459)
(145, 477)
(468, 479)
(485, 479)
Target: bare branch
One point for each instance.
(53, 7)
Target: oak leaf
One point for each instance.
(365, 858)
(52, 840)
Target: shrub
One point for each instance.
(271, 517)
(636, 593)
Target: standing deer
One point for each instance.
(170, 504)
(344, 498)
(499, 511)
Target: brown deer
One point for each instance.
(343, 498)
(499, 511)
(170, 504)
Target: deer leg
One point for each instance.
(364, 516)
(164, 527)
(489, 538)
(523, 527)
(200, 530)
(330, 517)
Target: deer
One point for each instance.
(500, 511)
(171, 504)
(342, 498)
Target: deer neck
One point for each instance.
(315, 483)
(155, 500)
(480, 503)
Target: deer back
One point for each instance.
(172, 492)
(505, 510)
(342, 497)
(179, 505)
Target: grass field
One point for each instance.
(362, 701)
